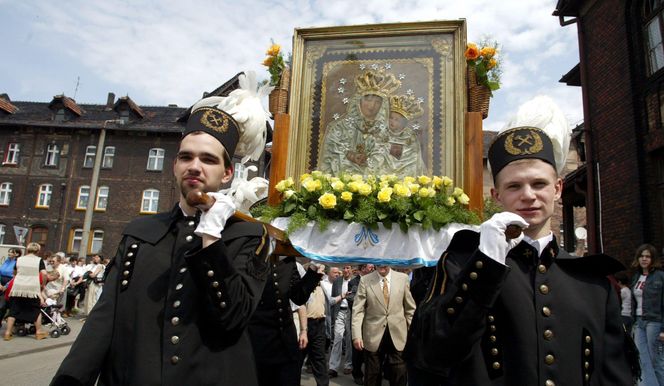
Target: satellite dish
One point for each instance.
(581, 233)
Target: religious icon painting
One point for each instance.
(379, 99)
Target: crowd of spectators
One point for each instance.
(33, 279)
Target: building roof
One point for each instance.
(68, 103)
(573, 76)
(132, 106)
(7, 106)
(38, 114)
(567, 8)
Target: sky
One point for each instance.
(164, 52)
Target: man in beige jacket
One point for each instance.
(382, 312)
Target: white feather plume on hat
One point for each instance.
(542, 112)
(245, 106)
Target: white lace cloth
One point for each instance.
(354, 243)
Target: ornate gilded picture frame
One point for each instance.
(379, 99)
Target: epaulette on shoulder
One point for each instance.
(600, 264)
(149, 228)
(464, 241)
(235, 229)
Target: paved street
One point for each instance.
(25, 361)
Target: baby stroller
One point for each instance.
(52, 314)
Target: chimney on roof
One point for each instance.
(5, 97)
(110, 101)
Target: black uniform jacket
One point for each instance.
(173, 313)
(548, 321)
(272, 329)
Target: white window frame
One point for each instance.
(83, 191)
(156, 159)
(89, 159)
(77, 236)
(44, 196)
(102, 192)
(52, 155)
(12, 154)
(6, 193)
(109, 154)
(2, 233)
(97, 238)
(150, 201)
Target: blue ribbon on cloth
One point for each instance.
(366, 236)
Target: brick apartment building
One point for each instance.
(47, 155)
(622, 79)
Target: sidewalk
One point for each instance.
(22, 345)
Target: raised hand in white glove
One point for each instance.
(212, 221)
(493, 242)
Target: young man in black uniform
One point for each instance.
(183, 285)
(515, 309)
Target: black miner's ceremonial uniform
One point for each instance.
(272, 329)
(173, 313)
(535, 322)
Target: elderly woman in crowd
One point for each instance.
(648, 290)
(25, 293)
(58, 286)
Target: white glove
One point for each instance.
(212, 221)
(493, 242)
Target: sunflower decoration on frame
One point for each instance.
(483, 75)
(279, 78)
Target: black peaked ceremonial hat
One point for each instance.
(216, 122)
(520, 143)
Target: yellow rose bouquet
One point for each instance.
(484, 59)
(431, 202)
(275, 63)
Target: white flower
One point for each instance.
(362, 66)
(374, 66)
(409, 92)
(402, 76)
(388, 66)
(335, 116)
(342, 81)
(341, 90)
(345, 100)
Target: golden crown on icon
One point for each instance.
(377, 82)
(406, 105)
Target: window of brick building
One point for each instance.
(109, 154)
(44, 196)
(150, 203)
(75, 238)
(89, 159)
(5, 193)
(52, 155)
(83, 197)
(12, 154)
(102, 198)
(2, 233)
(39, 235)
(97, 241)
(156, 159)
(653, 14)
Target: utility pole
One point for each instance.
(92, 197)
